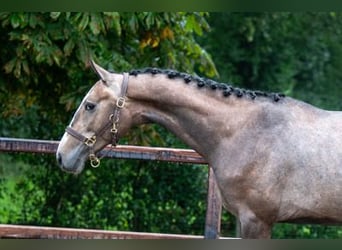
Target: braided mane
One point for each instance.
(227, 90)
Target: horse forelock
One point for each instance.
(226, 88)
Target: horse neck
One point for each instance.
(201, 118)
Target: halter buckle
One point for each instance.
(120, 102)
(90, 141)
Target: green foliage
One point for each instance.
(286, 231)
(19, 197)
(10, 206)
(51, 50)
(295, 53)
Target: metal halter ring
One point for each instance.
(114, 128)
(111, 118)
(94, 161)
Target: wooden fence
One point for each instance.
(214, 203)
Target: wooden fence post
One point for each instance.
(214, 208)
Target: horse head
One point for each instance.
(95, 123)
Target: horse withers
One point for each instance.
(276, 159)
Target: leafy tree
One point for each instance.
(295, 53)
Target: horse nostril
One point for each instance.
(59, 159)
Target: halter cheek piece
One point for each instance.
(113, 124)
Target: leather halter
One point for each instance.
(113, 124)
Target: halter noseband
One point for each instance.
(113, 123)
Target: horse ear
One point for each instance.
(101, 72)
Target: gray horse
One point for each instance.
(275, 159)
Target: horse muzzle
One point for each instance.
(71, 159)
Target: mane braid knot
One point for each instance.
(227, 90)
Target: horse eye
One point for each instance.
(89, 106)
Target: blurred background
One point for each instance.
(45, 74)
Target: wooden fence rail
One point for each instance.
(35, 232)
(214, 203)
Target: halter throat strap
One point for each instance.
(115, 116)
(112, 124)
